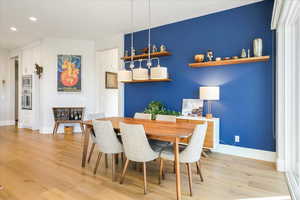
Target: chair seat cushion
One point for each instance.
(158, 145)
(167, 153)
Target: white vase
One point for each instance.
(257, 47)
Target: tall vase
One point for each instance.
(257, 47)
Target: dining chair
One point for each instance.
(107, 142)
(142, 116)
(167, 118)
(191, 154)
(94, 116)
(136, 148)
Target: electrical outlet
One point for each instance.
(236, 138)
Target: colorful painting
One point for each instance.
(68, 73)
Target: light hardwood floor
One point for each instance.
(46, 167)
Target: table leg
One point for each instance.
(86, 140)
(177, 169)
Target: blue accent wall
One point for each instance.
(246, 104)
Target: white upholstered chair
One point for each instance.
(142, 116)
(136, 148)
(107, 142)
(191, 154)
(93, 116)
(167, 118)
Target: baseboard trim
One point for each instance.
(280, 165)
(292, 185)
(7, 123)
(246, 152)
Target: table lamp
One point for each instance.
(209, 93)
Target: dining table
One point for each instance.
(159, 130)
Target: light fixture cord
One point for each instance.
(131, 30)
(149, 24)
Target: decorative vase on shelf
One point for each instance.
(257, 47)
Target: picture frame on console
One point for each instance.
(192, 107)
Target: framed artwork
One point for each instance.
(111, 80)
(68, 73)
(192, 107)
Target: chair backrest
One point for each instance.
(135, 143)
(106, 138)
(142, 116)
(167, 118)
(192, 153)
(93, 116)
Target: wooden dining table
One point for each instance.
(159, 130)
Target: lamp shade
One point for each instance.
(209, 93)
(125, 75)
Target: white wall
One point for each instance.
(114, 42)
(49, 97)
(107, 99)
(6, 107)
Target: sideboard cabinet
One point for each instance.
(212, 134)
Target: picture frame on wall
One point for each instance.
(111, 80)
(69, 73)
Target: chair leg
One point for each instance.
(124, 171)
(122, 157)
(106, 161)
(117, 158)
(188, 165)
(97, 163)
(113, 167)
(198, 170)
(161, 169)
(174, 167)
(200, 173)
(91, 152)
(145, 177)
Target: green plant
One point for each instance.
(155, 107)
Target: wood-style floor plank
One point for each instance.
(45, 167)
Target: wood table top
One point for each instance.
(153, 127)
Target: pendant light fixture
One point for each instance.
(149, 63)
(126, 75)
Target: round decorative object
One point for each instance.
(199, 57)
(257, 47)
(227, 58)
(235, 57)
(218, 58)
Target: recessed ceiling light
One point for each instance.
(34, 19)
(13, 28)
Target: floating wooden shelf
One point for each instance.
(230, 62)
(147, 81)
(142, 56)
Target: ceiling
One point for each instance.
(94, 19)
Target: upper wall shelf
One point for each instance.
(148, 80)
(142, 56)
(230, 62)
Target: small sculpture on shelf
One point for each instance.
(249, 53)
(243, 54)
(154, 49)
(163, 48)
(126, 53)
(209, 55)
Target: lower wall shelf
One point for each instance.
(147, 81)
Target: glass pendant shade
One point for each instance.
(140, 74)
(159, 72)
